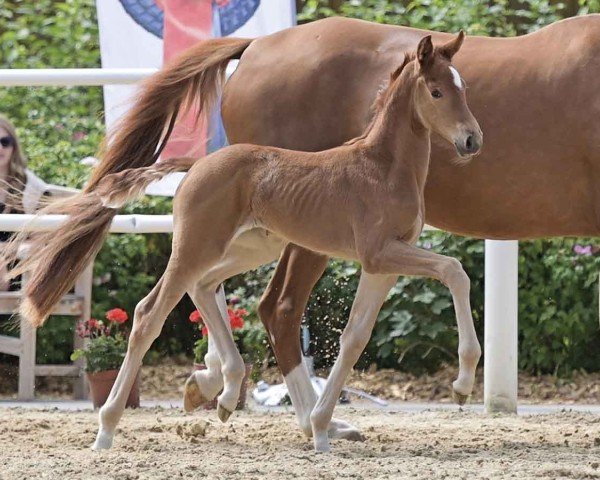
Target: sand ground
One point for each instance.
(169, 444)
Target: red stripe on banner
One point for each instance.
(187, 22)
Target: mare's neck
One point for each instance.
(398, 139)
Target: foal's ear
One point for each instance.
(449, 49)
(425, 51)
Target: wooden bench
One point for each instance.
(76, 304)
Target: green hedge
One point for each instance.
(416, 330)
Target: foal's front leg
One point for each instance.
(403, 259)
(395, 258)
(372, 291)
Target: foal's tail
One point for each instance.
(58, 257)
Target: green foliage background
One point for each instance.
(558, 311)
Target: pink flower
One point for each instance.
(82, 329)
(583, 250)
(204, 331)
(77, 136)
(117, 315)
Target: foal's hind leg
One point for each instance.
(250, 250)
(204, 385)
(232, 364)
(149, 317)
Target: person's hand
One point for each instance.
(4, 280)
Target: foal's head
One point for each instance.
(440, 100)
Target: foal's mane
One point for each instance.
(382, 96)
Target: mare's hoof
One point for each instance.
(192, 396)
(223, 413)
(459, 398)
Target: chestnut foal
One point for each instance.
(361, 201)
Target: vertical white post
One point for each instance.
(27, 336)
(83, 289)
(501, 326)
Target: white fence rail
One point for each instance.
(69, 77)
(500, 376)
(121, 223)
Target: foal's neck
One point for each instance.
(398, 139)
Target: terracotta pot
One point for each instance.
(101, 383)
(242, 400)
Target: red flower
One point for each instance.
(236, 318)
(93, 323)
(195, 317)
(204, 331)
(117, 315)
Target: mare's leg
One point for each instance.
(252, 249)
(372, 291)
(280, 309)
(400, 258)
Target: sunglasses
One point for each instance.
(7, 142)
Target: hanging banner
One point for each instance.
(144, 33)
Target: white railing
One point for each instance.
(120, 224)
(69, 77)
(500, 314)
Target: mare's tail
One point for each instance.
(58, 257)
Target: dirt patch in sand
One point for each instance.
(169, 444)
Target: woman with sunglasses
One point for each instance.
(15, 179)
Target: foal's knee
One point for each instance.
(454, 276)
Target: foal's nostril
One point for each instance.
(469, 144)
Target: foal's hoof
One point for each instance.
(223, 413)
(351, 435)
(459, 398)
(192, 396)
(104, 441)
(339, 429)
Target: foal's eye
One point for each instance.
(436, 94)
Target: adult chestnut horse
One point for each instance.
(310, 88)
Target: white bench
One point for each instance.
(76, 304)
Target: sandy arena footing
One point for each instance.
(413, 442)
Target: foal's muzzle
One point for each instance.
(469, 145)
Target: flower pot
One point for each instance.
(242, 400)
(102, 382)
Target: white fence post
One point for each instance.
(500, 375)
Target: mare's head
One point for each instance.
(440, 100)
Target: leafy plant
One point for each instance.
(106, 344)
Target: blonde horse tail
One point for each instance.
(59, 257)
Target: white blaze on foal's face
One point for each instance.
(456, 77)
